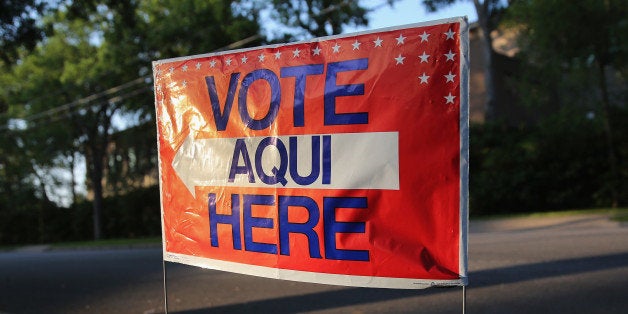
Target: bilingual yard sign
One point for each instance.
(337, 160)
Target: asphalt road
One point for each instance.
(577, 264)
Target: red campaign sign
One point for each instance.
(338, 160)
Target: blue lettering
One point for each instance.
(307, 228)
(275, 92)
(332, 226)
(300, 73)
(294, 161)
(332, 91)
(241, 150)
(221, 118)
(233, 220)
(326, 159)
(251, 222)
(279, 174)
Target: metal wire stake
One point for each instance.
(464, 299)
(165, 286)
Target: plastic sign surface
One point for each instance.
(339, 160)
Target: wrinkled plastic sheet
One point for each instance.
(338, 160)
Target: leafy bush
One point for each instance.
(559, 163)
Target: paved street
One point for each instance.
(575, 264)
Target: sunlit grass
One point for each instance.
(620, 215)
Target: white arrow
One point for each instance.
(358, 161)
(202, 162)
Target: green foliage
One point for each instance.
(435, 5)
(575, 31)
(576, 56)
(576, 53)
(19, 27)
(499, 169)
(574, 79)
(135, 214)
(132, 159)
(22, 216)
(180, 28)
(319, 18)
(558, 164)
(95, 55)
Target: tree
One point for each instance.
(97, 67)
(171, 30)
(32, 155)
(320, 18)
(42, 80)
(23, 202)
(136, 34)
(19, 27)
(490, 13)
(580, 51)
(63, 98)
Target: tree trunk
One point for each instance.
(608, 132)
(97, 142)
(41, 228)
(96, 173)
(482, 10)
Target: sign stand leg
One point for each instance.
(464, 299)
(165, 286)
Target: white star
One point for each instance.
(158, 72)
(450, 34)
(336, 48)
(450, 56)
(423, 78)
(184, 83)
(159, 88)
(316, 51)
(449, 98)
(400, 39)
(228, 61)
(277, 55)
(198, 65)
(185, 68)
(171, 69)
(450, 77)
(424, 36)
(424, 57)
(244, 59)
(296, 53)
(356, 45)
(261, 57)
(400, 59)
(212, 63)
(378, 42)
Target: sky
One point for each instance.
(384, 15)
(411, 11)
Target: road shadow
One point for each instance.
(66, 281)
(485, 278)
